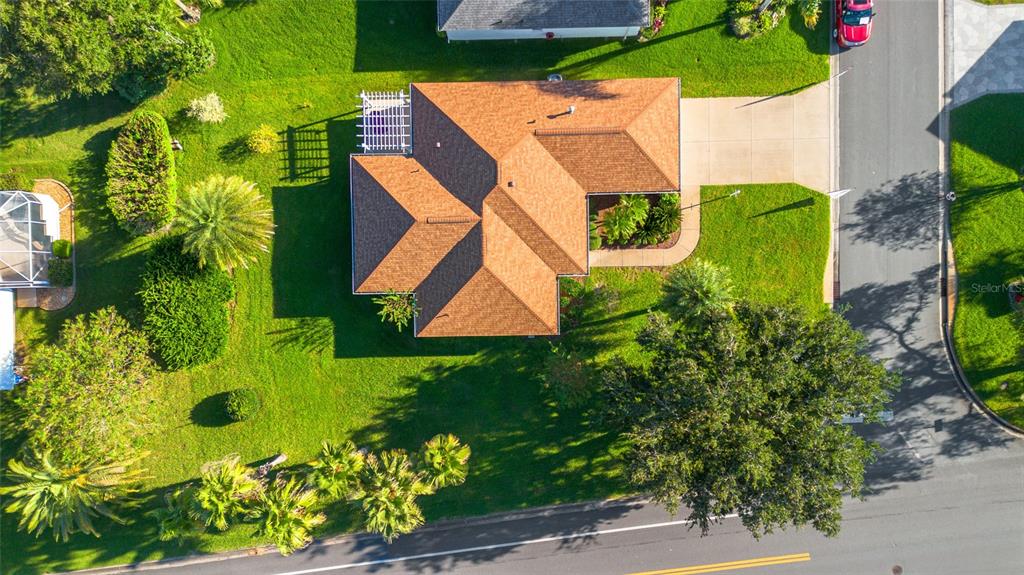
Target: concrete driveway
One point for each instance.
(987, 49)
(776, 139)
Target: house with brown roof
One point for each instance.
(473, 195)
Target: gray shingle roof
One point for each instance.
(540, 14)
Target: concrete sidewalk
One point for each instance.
(776, 139)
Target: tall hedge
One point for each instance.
(141, 182)
(185, 307)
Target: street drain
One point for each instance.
(897, 570)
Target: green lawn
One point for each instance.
(325, 365)
(987, 219)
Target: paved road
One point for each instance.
(947, 496)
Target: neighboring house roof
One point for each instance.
(491, 206)
(540, 14)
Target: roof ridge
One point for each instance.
(511, 291)
(547, 236)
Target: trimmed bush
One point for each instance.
(242, 404)
(185, 312)
(141, 182)
(208, 109)
(60, 272)
(262, 140)
(61, 249)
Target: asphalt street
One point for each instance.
(947, 496)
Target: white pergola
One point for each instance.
(386, 123)
(28, 226)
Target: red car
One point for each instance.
(853, 22)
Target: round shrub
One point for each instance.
(208, 109)
(61, 249)
(262, 140)
(242, 403)
(141, 182)
(60, 272)
(185, 307)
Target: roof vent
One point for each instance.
(437, 145)
(572, 110)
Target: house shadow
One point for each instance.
(979, 79)
(311, 268)
(402, 35)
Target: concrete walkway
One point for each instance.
(988, 50)
(768, 140)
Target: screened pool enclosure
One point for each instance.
(28, 226)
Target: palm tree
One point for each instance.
(224, 487)
(285, 517)
(336, 472)
(397, 308)
(445, 461)
(391, 487)
(66, 498)
(697, 291)
(224, 221)
(176, 518)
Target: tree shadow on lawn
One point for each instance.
(525, 452)
(22, 118)
(108, 261)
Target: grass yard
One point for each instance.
(326, 366)
(988, 175)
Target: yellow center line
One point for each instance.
(742, 564)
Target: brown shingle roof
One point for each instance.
(491, 207)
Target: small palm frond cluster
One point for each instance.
(697, 291)
(224, 221)
(224, 489)
(396, 308)
(285, 517)
(66, 498)
(391, 487)
(445, 460)
(335, 473)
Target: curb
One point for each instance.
(443, 525)
(948, 284)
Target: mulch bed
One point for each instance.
(599, 205)
(55, 298)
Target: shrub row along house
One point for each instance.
(473, 195)
(522, 19)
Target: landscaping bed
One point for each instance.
(318, 356)
(987, 161)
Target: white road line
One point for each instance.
(568, 537)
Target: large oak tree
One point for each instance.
(738, 413)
